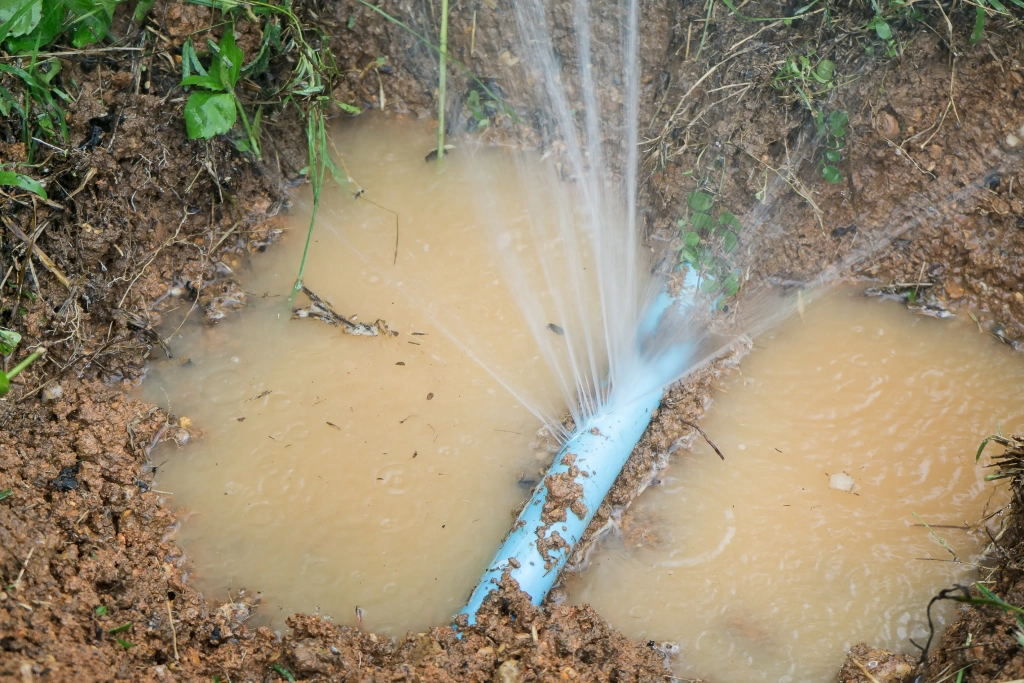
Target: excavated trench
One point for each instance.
(88, 565)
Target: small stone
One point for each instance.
(181, 437)
(508, 672)
(1018, 297)
(67, 478)
(52, 392)
(1012, 141)
(841, 481)
(185, 423)
(935, 152)
(954, 290)
(887, 125)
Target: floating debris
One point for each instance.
(322, 311)
(932, 311)
(841, 481)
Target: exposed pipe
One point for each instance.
(538, 546)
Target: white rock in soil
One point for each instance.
(841, 481)
(52, 392)
(1012, 140)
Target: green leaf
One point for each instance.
(124, 643)
(690, 255)
(882, 28)
(981, 448)
(700, 201)
(230, 58)
(701, 221)
(730, 221)
(710, 285)
(832, 174)
(120, 629)
(23, 181)
(826, 69)
(691, 239)
(284, 672)
(732, 285)
(837, 122)
(979, 25)
(207, 81)
(44, 77)
(834, 156)
(190, 62)
(681, 223)
(998, 6)
(208, 114)
(101, 610)
(729, 242)
(271, 38)
(142, 8)
(49, 27)
(6, 493)
(8, 340)
(91, 20)
(347, 108)
(1018, 3)
(20, 16)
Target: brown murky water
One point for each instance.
(762, 567)
(339, 472)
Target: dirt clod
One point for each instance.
(867, 665)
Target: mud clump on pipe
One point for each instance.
(564, 492)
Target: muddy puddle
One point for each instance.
(764, 567)
(339, 471)
(371, 478)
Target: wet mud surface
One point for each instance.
(143, 221)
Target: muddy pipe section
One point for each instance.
(556, 516)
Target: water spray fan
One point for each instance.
(552, 522)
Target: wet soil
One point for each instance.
(142, 221)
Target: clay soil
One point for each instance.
(142, 223)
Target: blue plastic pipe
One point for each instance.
(534, 552)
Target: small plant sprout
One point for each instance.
(833, 129)
(442, 78)
(809, 79)
(213, 108)
(9, 340)
(709, 234)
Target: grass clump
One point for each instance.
(33, 99)
(214, 107)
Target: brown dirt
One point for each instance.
(983, 643)
(93, 591)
